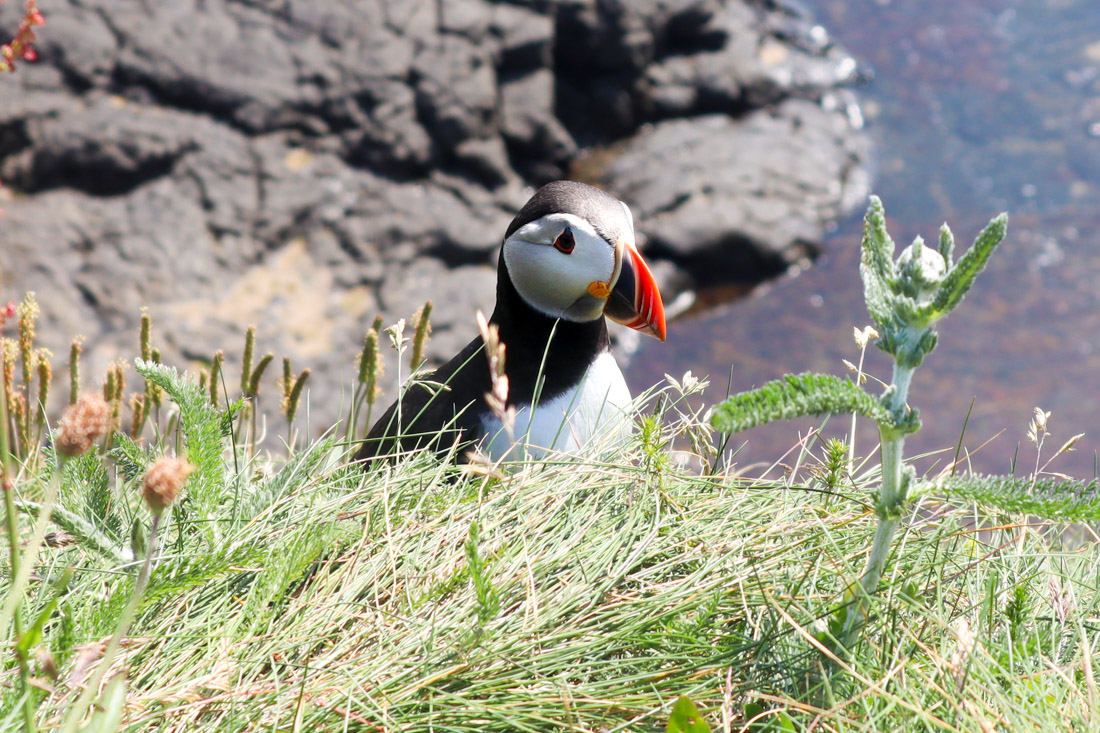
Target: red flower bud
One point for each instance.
(29, 54)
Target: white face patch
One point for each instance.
(552, 281)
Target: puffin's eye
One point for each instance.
(565, 242)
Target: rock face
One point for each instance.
(305, 164)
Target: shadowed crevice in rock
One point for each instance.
(731, 253)
(306, 164)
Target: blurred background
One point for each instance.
(306, 165)
(975, 108)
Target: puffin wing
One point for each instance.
(436, 411)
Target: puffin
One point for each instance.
(568, 260)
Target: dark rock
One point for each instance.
(688, 29)
(80, 43)
(772, 180)
(604, 36)
(525, 38)
(485, 160)
(457, 293)
(455, 91)
(98, 150)
(388, 137)
(530, 127)
(224, 59)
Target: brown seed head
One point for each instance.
(423, 329)
(163, 482)
(28, 314)
(9, 349)
(74, 370)
(82, 425)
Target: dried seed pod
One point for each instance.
(82, 425)
(163, 482)
(45, 378)
(28, 314)
(138, 412)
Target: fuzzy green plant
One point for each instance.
(82, 426)
(24, 390)
(155, 392)
(295, 396)
(44, 368)
(905, 297)
(161, 486)
(257, 373)
(287, 382)
(201, 426)
(141, 404)
(145, 337)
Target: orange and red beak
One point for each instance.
(635, 300)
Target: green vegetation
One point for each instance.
(905, 299)
(642, 588)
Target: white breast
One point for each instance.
(596, 409)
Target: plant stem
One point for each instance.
(92, 687)
(17, 618)
(852, 433)
(891, 500)
(12, 524)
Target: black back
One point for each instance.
(436, 417)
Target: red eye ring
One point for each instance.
(565, 242)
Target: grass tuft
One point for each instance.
(564, 595)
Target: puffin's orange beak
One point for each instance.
(635, 300)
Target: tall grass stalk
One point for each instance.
(91, 688)
(14, 598)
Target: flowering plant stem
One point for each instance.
(72, 720)
(905, 297)
(891, 502)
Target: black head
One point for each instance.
(606, 214)
(570, 254)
